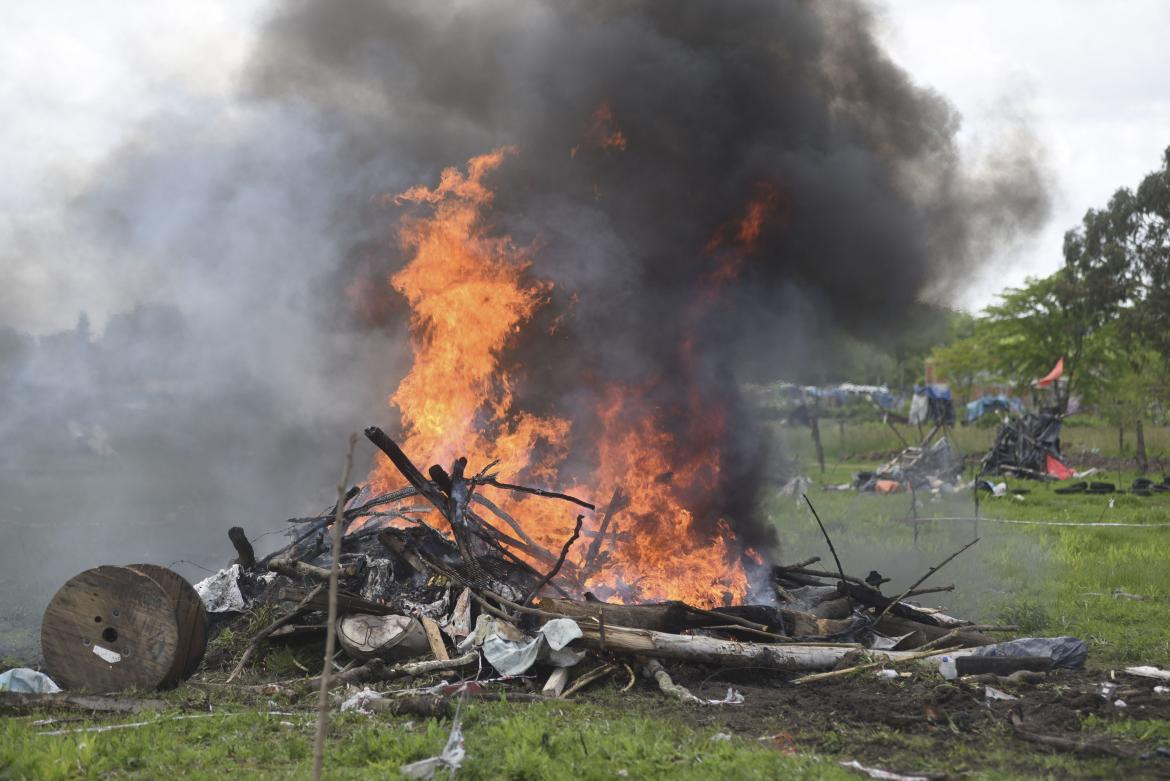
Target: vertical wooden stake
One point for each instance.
(331, 622)
(435, 640)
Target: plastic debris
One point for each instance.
(1119, 703)
(451, 757)
(947, 669)
(512, 652)
(1149, 672)
(1068, 652)
(1162, 690)
(27, 681)
(359, 702)
(874, 772)
(221, 592)
(991, 693)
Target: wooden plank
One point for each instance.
(435, 639)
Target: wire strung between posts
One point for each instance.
(1046, 523)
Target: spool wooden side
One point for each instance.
(190, 616)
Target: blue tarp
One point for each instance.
(980, 407)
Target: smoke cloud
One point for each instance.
(643, 132)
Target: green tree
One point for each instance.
(1022, 336)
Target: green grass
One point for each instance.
(530, 741)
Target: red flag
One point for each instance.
(1056, 468)
(1047, 379)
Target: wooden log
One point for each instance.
(711, 650)
(790, 657)
(294, 568)
(246, 556)
(676, 616)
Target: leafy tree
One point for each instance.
(1022, 336)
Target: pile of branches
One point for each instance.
(476, 593)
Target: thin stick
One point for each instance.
(800, 564)
(589, 677)
(869, 665)
(820, 573)
(535, 491)
(266, 631)
(615, 505)
(840, 569)
(560, 561)
(508, 519)
(935, 590)
(330, 628)
(920, 581)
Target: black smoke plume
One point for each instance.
(643, 131)
(240, 234)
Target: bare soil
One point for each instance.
(926, 724)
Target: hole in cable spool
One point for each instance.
(109, 634)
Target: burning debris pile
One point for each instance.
(482, 591)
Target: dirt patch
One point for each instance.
(923, 723)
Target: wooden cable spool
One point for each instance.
(112, 628)
(190, 615)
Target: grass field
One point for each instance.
(1047, 579)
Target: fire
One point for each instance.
(603, 132)
(470, 294)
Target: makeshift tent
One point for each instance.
(980, 407)
(932, 404)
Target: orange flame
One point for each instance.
(603, 132)
(470, 294)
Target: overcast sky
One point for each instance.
(79, 77)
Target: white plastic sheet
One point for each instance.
(221, 592)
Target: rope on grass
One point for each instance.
(1046, 523)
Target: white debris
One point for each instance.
(221, 592)
(360, 701)
(1162, 690)
(1119, 703)
(720, 737)
(874, 772)
(512, 652)
(1149, 672)
(450, 759)
(991, 693)
(27, 681)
